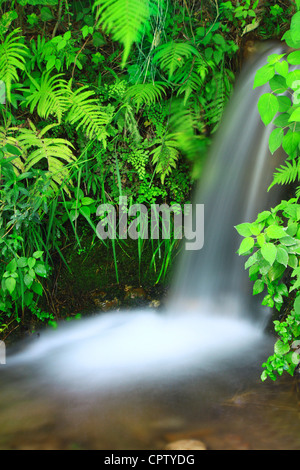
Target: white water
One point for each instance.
(210, 317)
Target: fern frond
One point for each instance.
(7, 136)
(12, 59)
(50, 96)
(165, 157)
(145, 93)
(86, 113)
(287, 173)
(214, 110)
(172, 55)
(124, 19)
(55, 153)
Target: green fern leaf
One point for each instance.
(165, 157)
(86, 112)
(124, 19)
(172, 55)
(287, 173)
(55, 153)
(7, 137)
(145, 93)
(50, 96)
(12, 59)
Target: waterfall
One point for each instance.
(233, 190)
(211, 292)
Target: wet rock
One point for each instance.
(135, 293)
(154, 304)
(186, 444)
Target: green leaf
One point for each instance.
(263, 75)
(295, 27)
(37, 254)
(281, 348)
(246, 245)
(31, 262)
(282, 256)
(275, 231)
(86, 201)
(28, 280)
(85, 211)
(295, 116)
(37, 288)
(244, 229)
(297, 305)
(10, 284)
(268, 107)
(12, 266)
(290, 142)
(294, 58)
(46, 14)
(251, 261)
(22, 262)
(40, 270)
(258, 287)
(278, 84)
(269, 252)
(282, 68)
(275, 139)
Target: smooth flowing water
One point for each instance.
(133, 380)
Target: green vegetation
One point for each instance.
(273, 240)
(105, 99)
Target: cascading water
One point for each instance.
(208, 321)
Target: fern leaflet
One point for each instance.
(12, 58)
(124, 19)
(55, 152)
(145, 93)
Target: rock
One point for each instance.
(186, 444)
(135, 293)
(154, 304)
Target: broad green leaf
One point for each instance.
(261, 239)
(251, 260)
(10, 284)
(275, 139)
(278, 84)
(290, 142)
(263, 75)
(244, 229)
(276, 271)
(40, 270)
(297, 305)
(293, 261)
(37, 288)
(86, 201)
(292, 78)
(282, 68)
(258, 287)
(295, 116)
(85, 211)
(282, 256)
(281, 348)
(246, 245)
(28, 280)
(12, 266)
(31, 262)
(268, 107)
(37, 254)
(295, 27)
(284, 103)
(275, 231)
(22, 262)
(294, 58)
(269, 252)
